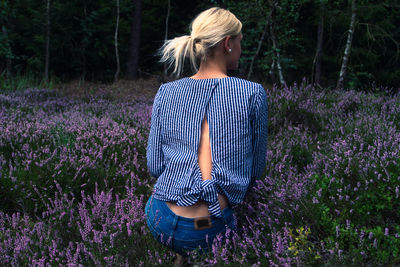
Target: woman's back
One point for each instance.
(231, 107)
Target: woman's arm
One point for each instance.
(154, 154)
(259, 125)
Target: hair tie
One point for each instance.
(196, 40)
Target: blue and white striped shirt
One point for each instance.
(237, 115)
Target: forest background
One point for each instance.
(284, 41)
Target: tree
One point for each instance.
(46, 68)
(316, 67)
(5, 47)
(166, 35)
(134, 43)
(259, 45)
(116, 45)
(275, 48)
(346, 54)
(7, 51)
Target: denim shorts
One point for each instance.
(179, 233)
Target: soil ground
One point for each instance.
(120, 90)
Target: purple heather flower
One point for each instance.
(386, 231)
(370, 235)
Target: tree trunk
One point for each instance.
(8, 56)
(316, 68)
(277, 57)
(83, 45)
(275, 48)
(166, 36)
(271, 71)
(278, 64)
(258, 47)
(346, 54)
(46, 68)
(134, 43)
(116, 45)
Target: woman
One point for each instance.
(208, 136)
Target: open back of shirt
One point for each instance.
(204, 151)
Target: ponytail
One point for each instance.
(176, 50)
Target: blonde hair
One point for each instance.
(207, 30)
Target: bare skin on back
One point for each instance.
(204, 152)
(200, 208)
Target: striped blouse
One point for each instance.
(237, 115)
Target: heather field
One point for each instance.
(74, 182)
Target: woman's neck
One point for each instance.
(212, 68)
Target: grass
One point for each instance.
(22, 81)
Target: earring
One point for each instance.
(230, 50)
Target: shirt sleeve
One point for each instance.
(259, 125)
(154, 154)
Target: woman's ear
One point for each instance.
(226, 43)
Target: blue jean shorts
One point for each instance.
(180, 233)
